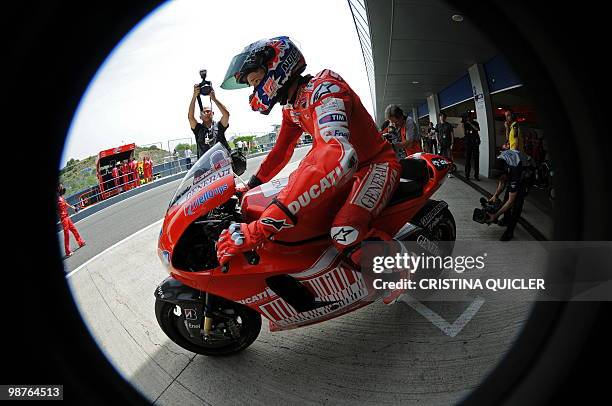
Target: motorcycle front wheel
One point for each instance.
(234, 328)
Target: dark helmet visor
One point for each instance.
(230, 82)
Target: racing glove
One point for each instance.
(253, 182)
(242, 237)
(238, 238)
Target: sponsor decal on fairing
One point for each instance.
(198, 201)
(266, 294)
(340, 285)
(429, 216)
(439, 163)
(190, 314)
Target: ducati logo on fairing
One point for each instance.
(277, 224)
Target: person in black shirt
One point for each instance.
(445, 134)
(515, 171)
(472, 144)
(209, 132)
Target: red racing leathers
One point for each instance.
(347, 149)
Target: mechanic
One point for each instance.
(125, 176)
(134, 172)
(515, 171)
(116, 177)
(348, 156)
(209, 132)
(67, 224)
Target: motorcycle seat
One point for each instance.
(414, 169)
(406, 189)
(413, 177)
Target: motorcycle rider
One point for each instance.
(348, 156)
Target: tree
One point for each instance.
(246, 138)
(180, 148)
(71, 162)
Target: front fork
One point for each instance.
(208, 320)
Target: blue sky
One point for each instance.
(142, 91)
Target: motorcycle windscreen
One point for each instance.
(215, 164)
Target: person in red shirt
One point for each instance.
(116, 178)
(134, 171)
(67, 224)
(349, 164)
(125, 176)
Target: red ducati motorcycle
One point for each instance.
(295, 280)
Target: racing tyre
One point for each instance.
(444, 233)
(234, 328)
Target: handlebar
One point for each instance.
(251, 257)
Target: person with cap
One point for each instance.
(514, 171)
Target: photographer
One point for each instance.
(472, 144)
(209, 132)
(403, 135)
(391, 134)
(515, 171)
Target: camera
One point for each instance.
(391, 135)
(205, 85)
(239, 162)
(480, 215)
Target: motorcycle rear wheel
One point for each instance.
(445, 233)
(247, 320)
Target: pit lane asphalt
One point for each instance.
(406, 353)
(105, 228)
